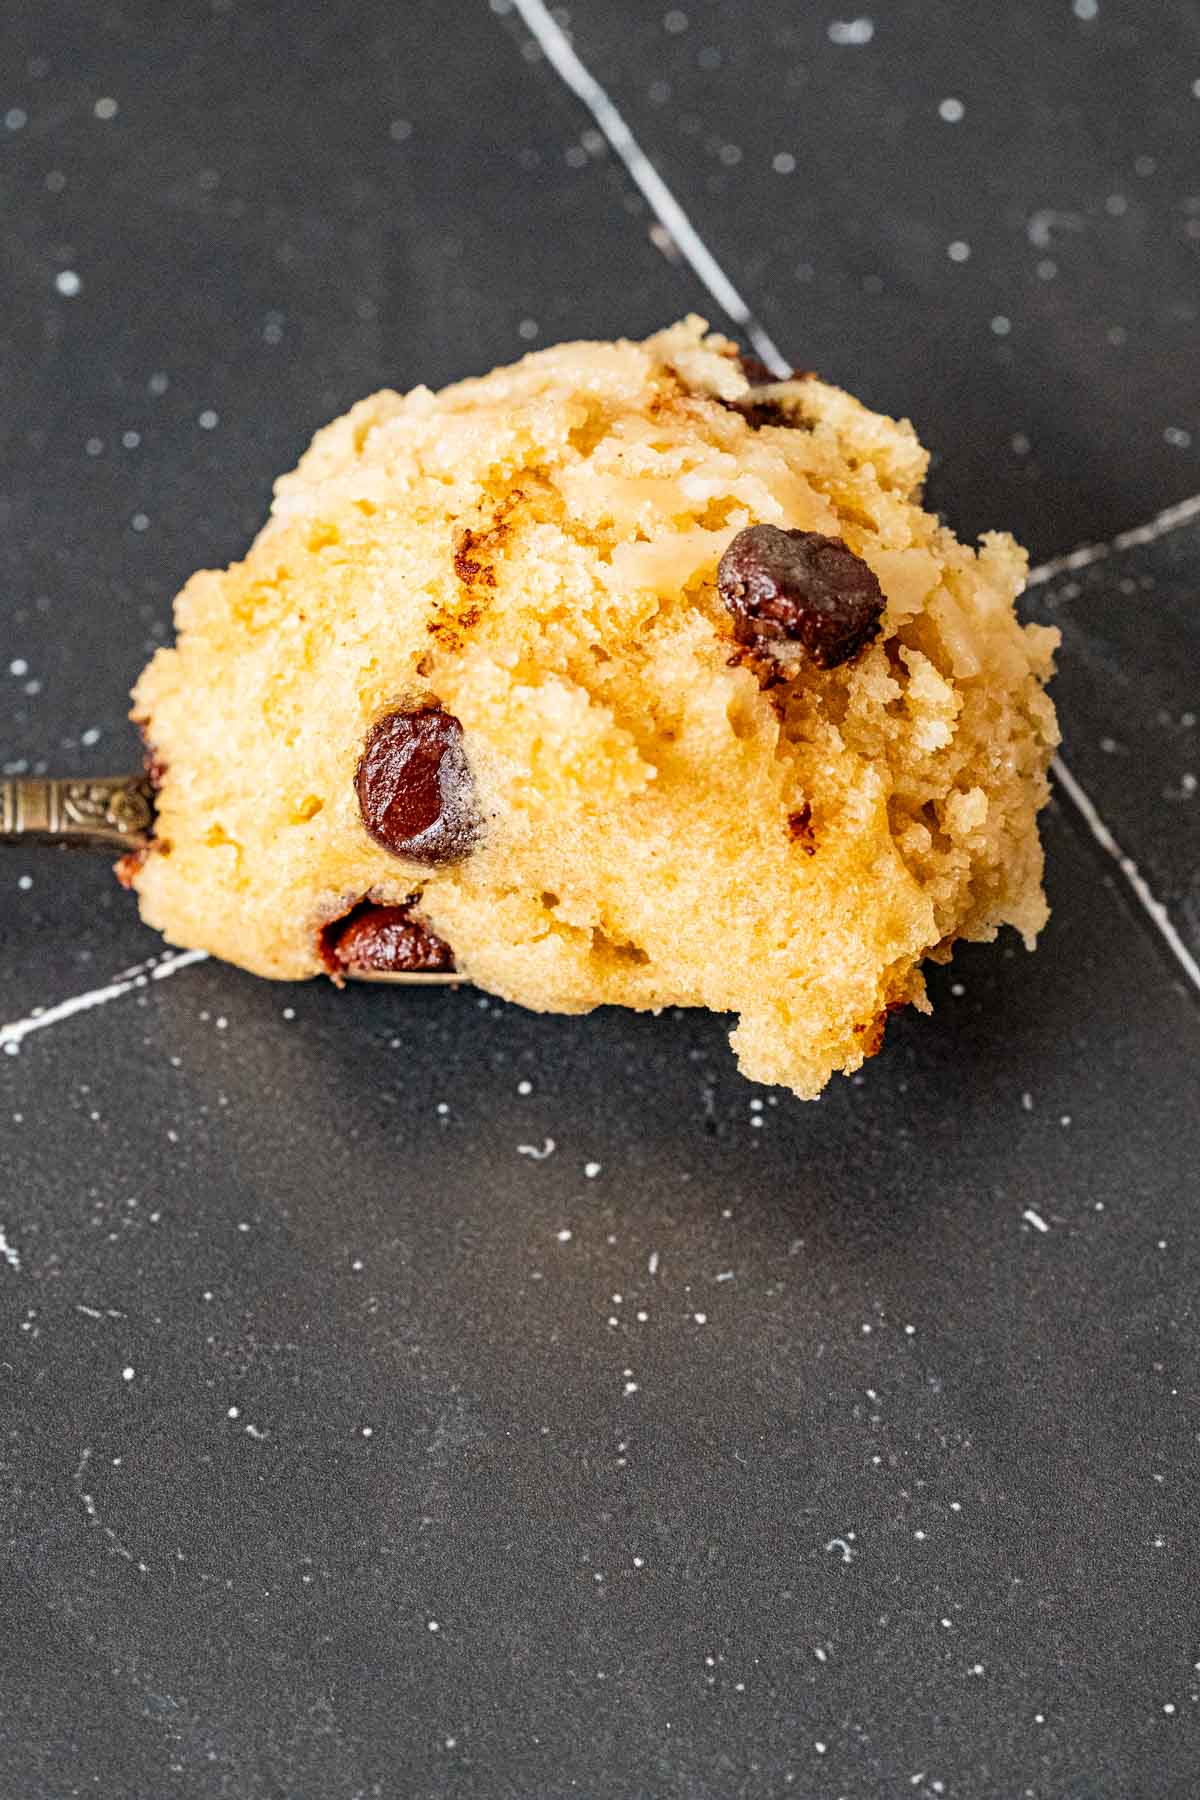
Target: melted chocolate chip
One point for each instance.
(801, 587)
(383, 939)
(414, 787)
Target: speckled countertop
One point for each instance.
(404, 1395)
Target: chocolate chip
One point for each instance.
(756, 371)
(801, 587)
(415, 791)
(383, 939)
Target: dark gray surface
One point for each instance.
(910, 1511)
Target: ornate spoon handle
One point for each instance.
(114, 812)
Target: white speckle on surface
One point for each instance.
(94, 446)
(631, 1387)
(233, 1413)
(951, 110)
(725, 1275)
(368, 1431)
(127, 1373)
(131, 439)
(528, 328)
(959, 251)
(850, 31)
(67, 283)
(289, 1012)
(819, 1747)
(89, 737)
(208, 420)
(18, 666)
(564, 1236)
(783, 163)
(24, 882)
(9, 1252)
(976, 1668)
(255, 1433)
(652, 1264)
(1035, 1219)
(432, 1625)
(524, 1088)
(1168, 1708)
(16, 118)
(591, 1170)
(1177, 437)
(700, 1318)
(106, 107)
(1085, 9)
(1001, 326)
(140, 521)
(841, 1544)
(675, 21)
(547, 1149)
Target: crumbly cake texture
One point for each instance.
(664, 815)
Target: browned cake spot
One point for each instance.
(469, 561)
(415, 791)
(800, 829)
(872, 1033)
(800, 587)
(383, 940)
(759, 410)
(126, 867)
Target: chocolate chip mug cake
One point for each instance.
(626, 674)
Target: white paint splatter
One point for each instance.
(548, 1148)
(1035, 1219)
(9, 1252)
(851, 31)
(16, 1031)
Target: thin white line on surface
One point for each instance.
(561, 56)
(1035, 1219)
(1172, 518)
(1137, 881)
(13, 1034)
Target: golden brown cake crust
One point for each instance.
(662, 815)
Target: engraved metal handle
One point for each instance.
(114, 812)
